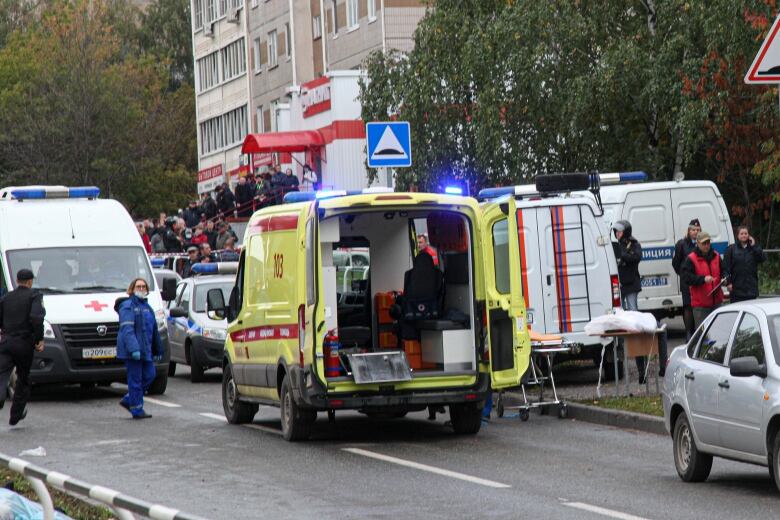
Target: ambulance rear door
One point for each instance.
(507, 332)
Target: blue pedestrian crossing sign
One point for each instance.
(389, 145)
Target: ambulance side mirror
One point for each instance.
(169, 289)
(215, 303)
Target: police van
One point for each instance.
(659, 213)
(567, 267)
(84, 252)
(422, 335)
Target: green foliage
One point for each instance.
(166, 32)
(497, 92)
(82, 101)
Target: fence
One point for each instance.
(124, 506)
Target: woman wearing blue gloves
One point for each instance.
(138, 344)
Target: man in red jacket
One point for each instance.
(701, 271)
(144, 237)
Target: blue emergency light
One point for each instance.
(158, 262)
(307, 196)
(56, 192)
(215, 268)
(453, 190)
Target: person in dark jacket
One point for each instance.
(173, 242)
(193, 257)
(291, 182)
(192, 214)
(740, 266)
(138, 344)
(21, 323)
(701, 270)
(208, 206)
(226, 202)
(683, 248)
(244, 196)
(628, 253)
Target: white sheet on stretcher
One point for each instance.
(628, 321)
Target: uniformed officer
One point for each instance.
(21, 323)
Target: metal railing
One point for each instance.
(125, 507)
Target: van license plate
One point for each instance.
(655, 281)
(98, 353)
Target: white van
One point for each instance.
(659, 213)
(568, 270)
(84, 252)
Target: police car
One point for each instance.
(195, 338)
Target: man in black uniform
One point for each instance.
(21, 326)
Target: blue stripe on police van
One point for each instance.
(667, 252)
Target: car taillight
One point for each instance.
(301, 333)
(615, 290)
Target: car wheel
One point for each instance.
(196, 369)
(774, 461)
(466, 418)
(159, 384)
(171, 368)
(296, 422)
(236, 411)
(692, 465)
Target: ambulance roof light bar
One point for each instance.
(605, 179)
(54, 192)
(215, 268)
(157, 262)
(307, 196)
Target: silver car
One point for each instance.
(722, 391)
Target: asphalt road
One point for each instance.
(189, 458)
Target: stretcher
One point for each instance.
(543, 348)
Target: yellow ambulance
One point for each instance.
(427, 313)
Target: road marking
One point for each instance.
(425, 467)
(161, 403)
(266, 429)
(214, 416)
(603, 511)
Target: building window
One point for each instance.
(259, 120)
(272, 57)
(211, 11)
(197, 9)
(236, 4)
(258, 64)
(222, 7)
(316, 27)
(233, 60)
(353, 16)
(335, 17)
(208, 71)
(274, 118)
(225, 130)
(371, 9)
(287, 41)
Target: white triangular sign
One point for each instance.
(766, 66)
(388, 147)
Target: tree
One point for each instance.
(166, 31)
(78, 107)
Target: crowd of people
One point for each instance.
(703, 274)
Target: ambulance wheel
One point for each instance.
(236, 411)
(296, 422)
(171, 368)
(466, 418)
(159, 385)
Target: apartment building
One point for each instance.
(292, 50)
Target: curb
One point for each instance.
(617, 418)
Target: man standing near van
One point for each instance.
(683, 248)
(702, 273)
(628, 252)
(21, 323)
(424, 247)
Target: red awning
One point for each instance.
(298, 141)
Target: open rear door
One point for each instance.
(507, 332)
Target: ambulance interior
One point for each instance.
(382, 293)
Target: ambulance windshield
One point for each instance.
(68, 270)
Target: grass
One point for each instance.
(73, 507)
(648, 405)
